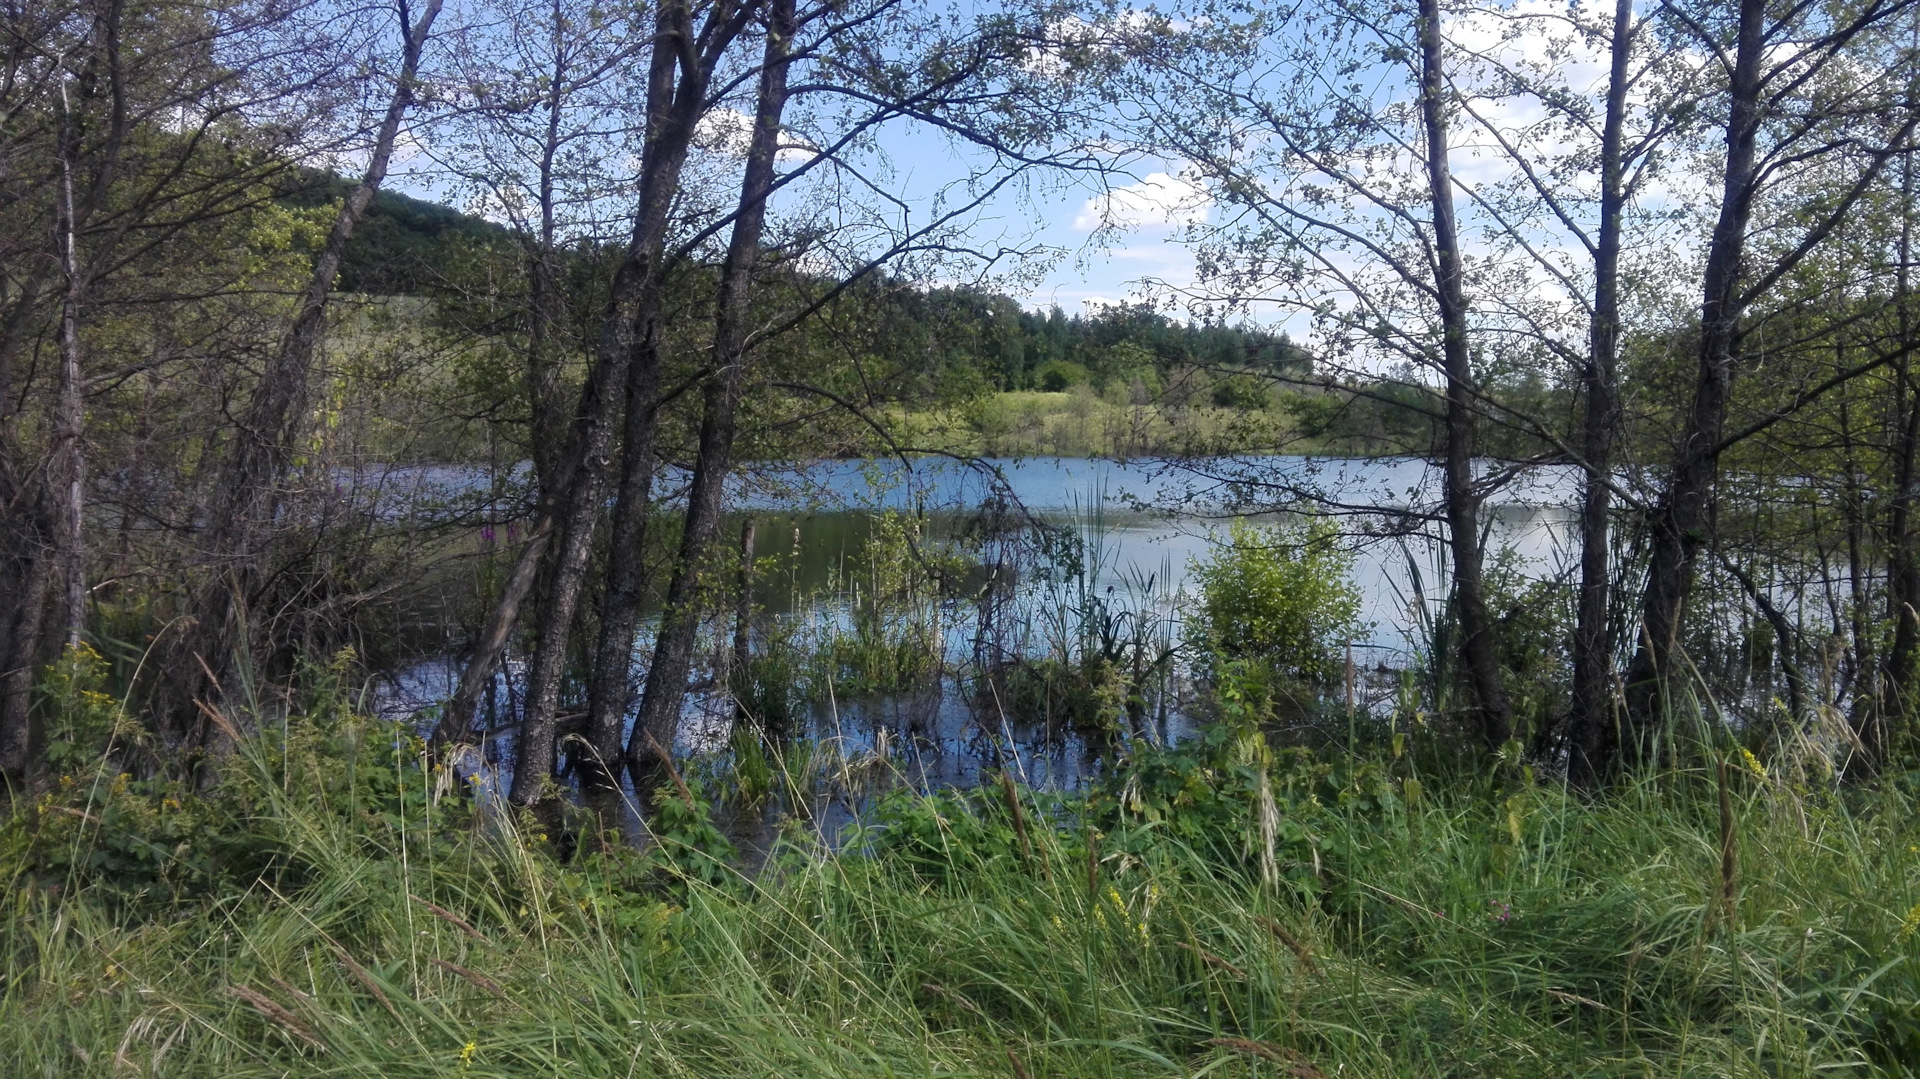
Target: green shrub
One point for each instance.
(1243, 392)
(1278, 596)
(84, 723)
(1090, 694)
(1058, 376)
(1533, 626)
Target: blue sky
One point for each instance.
(1083, 265)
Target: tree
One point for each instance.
(1777, 123)
(138, 136)
(250, 487)
(1340, 202)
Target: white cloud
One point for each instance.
(1116, 33)
(728, 131)
(1161, 199)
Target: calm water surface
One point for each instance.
(1143, 521)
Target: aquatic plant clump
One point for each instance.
(1279, 596)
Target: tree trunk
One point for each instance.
(28, 584)
(1592, 730)
(610, 687)
(250, 484)
(743, 606)
(1479, 649)
(68, 467)
(456, 722)
(625, 371)
(43, 516)
(544, 298)
(1903, 559)
(1682, 519)
(666, 687)
(1865, 669)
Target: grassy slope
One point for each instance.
(1083, 423)
(1475, 928)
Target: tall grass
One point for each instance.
(1215, 910)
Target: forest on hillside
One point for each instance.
(519, 630)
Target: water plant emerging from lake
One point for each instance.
(1095, 648)
(1277, 604)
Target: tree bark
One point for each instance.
(666, 686)
(1592, 730)
(625, 371)
(1479, 648)
(1682, 519)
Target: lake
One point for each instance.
(1147, 521)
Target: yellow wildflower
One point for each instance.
(1910, 926)
(1753, 763)
(466, 1054)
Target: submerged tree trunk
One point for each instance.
(743, 608)
(1592, 730)
(1479, 649)
(679, 622)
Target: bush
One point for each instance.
(1059, 376)
(1242, 392)
(1279, 596)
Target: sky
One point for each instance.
(1079, 266)
(1096, 246)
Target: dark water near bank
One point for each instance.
(1142, 525)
